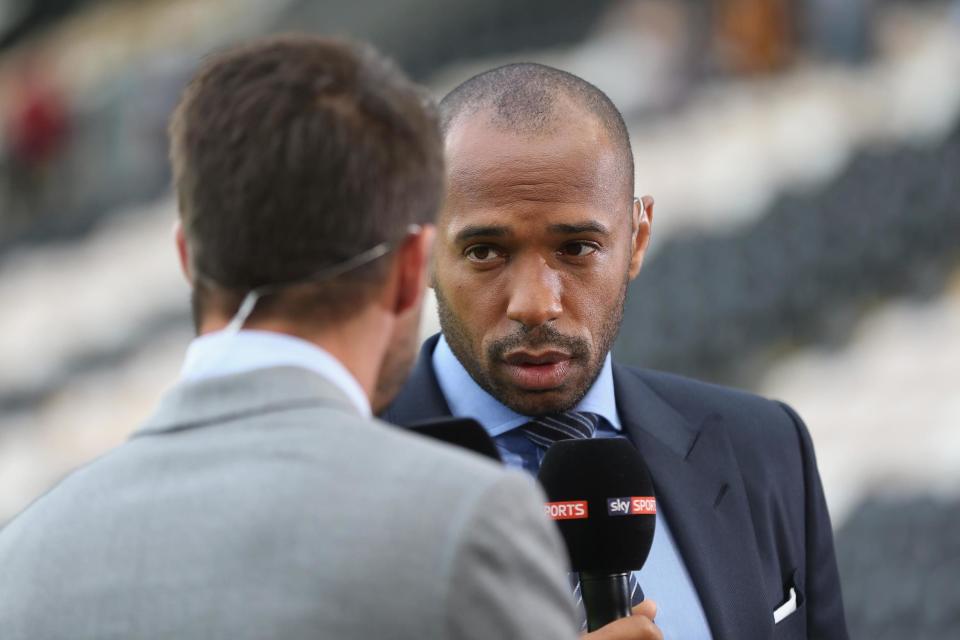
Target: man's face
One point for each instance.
(537, 242)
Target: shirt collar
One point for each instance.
(466, 398)
(222, 353)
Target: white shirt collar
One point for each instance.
(466, 398)
(222, 353)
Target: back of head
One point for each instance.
(293, 154)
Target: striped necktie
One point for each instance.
(572, 425)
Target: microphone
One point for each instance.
(461, 432)
(601, 498)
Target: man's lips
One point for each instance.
(537, 371)
(521, 358)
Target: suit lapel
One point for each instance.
(701, 494)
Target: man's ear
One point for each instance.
(642, 215)
(413, 259)
(183, 252)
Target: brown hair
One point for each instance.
(295, 153)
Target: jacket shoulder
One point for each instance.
(751, 420)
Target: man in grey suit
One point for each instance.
(262, 500)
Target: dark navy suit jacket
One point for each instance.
(736, 477)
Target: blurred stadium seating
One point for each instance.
(720, 305)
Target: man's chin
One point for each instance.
(538, 402)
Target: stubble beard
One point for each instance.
(531, 403)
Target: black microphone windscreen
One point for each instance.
(601, 497)
(461, 432)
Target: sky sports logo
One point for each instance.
(632, 506)
(569, 510)
(577, 509)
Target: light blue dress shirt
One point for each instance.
(664, 577)
(222, 353)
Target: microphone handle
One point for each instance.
(606, 597)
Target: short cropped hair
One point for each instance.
(534, 99)
(296, 153)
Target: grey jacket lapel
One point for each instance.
(213, 400)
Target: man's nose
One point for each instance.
(534, 293)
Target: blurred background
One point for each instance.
(805, 159)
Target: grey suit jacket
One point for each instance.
(261, 505)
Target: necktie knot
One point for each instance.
(569, 425)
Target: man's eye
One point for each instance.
(481, 253)
(578, 249)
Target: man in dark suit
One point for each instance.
(538, 238)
